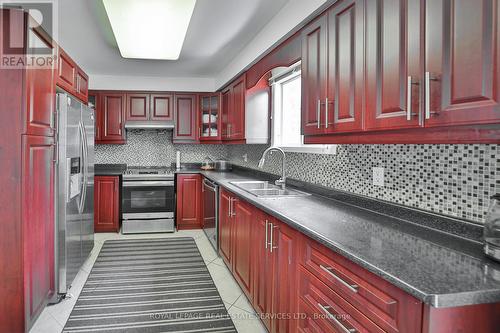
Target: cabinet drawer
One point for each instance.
(386, 305)
(329, 310)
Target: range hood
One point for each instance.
(146, 124)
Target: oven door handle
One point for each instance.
(148, 183)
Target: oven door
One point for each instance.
(145, 198)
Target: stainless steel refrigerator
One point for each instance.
(74, 206)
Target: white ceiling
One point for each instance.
(218, 31)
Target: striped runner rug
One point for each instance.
(149, 285)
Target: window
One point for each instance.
(286, 113)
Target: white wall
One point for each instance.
(287, 18)
(102, 82)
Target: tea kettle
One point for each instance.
(492, 229)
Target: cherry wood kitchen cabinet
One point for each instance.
(27, 182)
(419, 83)
(40, 97)
(314, 67)
(137, 106)
(145, 106)
(462, 70)
(242, 239)
(393, 64)
(70, 77)
(263, 267)
(210, 118)
(233, 111)
(38, 229)
(111, 117)
(189, 213)
(186, 118)
(161, 106)
(106, 203)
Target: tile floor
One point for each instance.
(54, 317)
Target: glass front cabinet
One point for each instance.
(210, 120)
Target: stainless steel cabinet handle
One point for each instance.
(326, 112)
(232, 200)
(352, 287)
(427, 95)
(229, 210)
(318, 113)
(271, 246)
(267, 224)
(325, 309)
(408, 100)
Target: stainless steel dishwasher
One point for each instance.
(211, 212)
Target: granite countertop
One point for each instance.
(438, 268)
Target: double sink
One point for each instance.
(265, 189)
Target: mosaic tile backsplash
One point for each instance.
(455, 180)
(153, 148)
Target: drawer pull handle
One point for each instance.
(325, 309)
(352, 287)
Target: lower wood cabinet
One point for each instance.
(298, 285)
(189, 206)
(106, 203)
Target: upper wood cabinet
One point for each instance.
(393, 64)
(210, 117)
(343, 108)
(186, 121)
(233, 110)
(462, 70)
(137, 107)
(314, 66)
(70, 77)
(386, 71)
(145, 106)
(110, 110)
(161, 106)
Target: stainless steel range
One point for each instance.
(148, 200)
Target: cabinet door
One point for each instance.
(113, 113)
(344, 108)
(38, 223)
(237, 113)
(66, 72)
(161, 107)
(106, 204)
(393, 56)
(243, 220)
(185, 118)
(314, 61)
(284, 294)
(262, 267)
(40, 93)
(189, 212)
(225, 227)
(463, 62)
(210, 117)
(137, 106)
(226, 106)
(82, 85)
(94, 100)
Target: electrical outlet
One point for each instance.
(378, 176)
(245, 157)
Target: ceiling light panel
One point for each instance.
(150, 29)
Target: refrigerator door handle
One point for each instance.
(85, 165)
(82, 156)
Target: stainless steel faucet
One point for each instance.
(282, 180)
